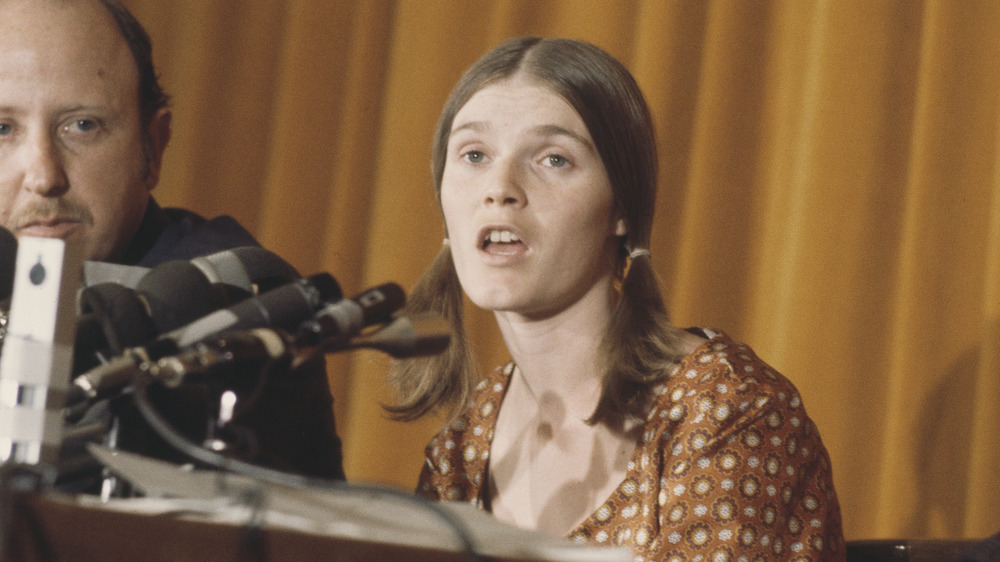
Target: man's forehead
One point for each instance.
(64, 35)
(56, 19)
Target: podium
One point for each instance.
(55, 527)
(200, 515)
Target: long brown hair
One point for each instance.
(640, 344)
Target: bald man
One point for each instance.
(83, 127)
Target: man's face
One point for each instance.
(72, 164)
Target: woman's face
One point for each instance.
(527, 202)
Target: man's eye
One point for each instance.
(474, 156)
(78, 126)
(5, 129)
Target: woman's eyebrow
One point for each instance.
(557, 130)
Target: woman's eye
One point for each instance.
(556, 161)
(474, 156)
(5, 129)
(84, 125)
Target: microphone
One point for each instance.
(334, 324)
(402, 337)
(250, 269)
(125, 306)
(282, 308)
(114, 317)
(408, 336)
(8, 259)
(346, 318)
(98, 272)
(235, 351)
(425, 334)
(176, 293)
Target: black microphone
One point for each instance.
(408, 336)
(250, 268)
(247, 269)
(333, 325)
(176, 293)
(346, 318)
(126, 306)
(242, 351)
(282, 308)
(248, 350)
(8, 260)
(113, 317)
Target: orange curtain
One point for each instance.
(829, 194)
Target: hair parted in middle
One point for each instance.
(640, 345)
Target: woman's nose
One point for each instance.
(505, 185)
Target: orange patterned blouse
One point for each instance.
(729, 466)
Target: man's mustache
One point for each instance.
(48, 209)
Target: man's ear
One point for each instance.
(160, 129)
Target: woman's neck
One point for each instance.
(543, 445)
(560, 355)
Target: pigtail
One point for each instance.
(640, 347)
(444, 381)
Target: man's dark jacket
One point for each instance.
(284, 417)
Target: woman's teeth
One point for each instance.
(505, 236)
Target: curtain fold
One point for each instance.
(828, 194)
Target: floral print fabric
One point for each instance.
(729, 466)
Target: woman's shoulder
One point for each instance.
(722, 393)
(721, 359)
(727, 375)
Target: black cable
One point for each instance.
(37, 532)
(222, 462)
(252, 537)
(16, 481)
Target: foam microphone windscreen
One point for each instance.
(112, 316)
(112, 319)
(265, 268)
(8, 260)
(177, 293)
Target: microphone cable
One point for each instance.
(229, 464)
(17, 481)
